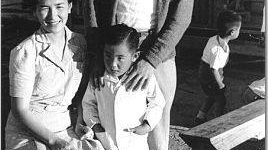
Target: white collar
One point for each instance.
(41, 37)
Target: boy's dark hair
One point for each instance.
(31, 4)
(226, 21)
(117, 34)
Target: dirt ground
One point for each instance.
(239, 73)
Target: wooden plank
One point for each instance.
(229, 130)
(178, 128)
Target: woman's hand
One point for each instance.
(138, 76)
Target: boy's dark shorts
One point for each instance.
(208, 82)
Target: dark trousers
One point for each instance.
(210, 87)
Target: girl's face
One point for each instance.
(53, 14)
(118, 59)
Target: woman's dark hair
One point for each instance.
(31, 4)
(226, 21)
(117, 34)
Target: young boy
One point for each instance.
(121, 119)
(214, 59)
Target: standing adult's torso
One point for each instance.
(106, 11)
(139, 14)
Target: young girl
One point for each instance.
(215, 57)
(45, 72)
(121, 119)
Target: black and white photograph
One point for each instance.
(133, 74)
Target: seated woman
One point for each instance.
(45, 71)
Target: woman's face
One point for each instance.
(53, 14)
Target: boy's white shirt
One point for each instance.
(216, 53)
(117, 110)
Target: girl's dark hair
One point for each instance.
(31, 4)
(117, 34)
(226, 21)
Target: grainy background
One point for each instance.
(244, 67)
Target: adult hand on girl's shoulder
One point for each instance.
(138, 76)
(142, 129)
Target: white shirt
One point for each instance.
(116, 110)
(139, 14)
(216, 53)
(37, 74)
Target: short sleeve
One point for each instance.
(217, 58)
(22, 71)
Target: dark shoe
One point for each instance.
(198, 121)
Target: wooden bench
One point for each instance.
(229, 130)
